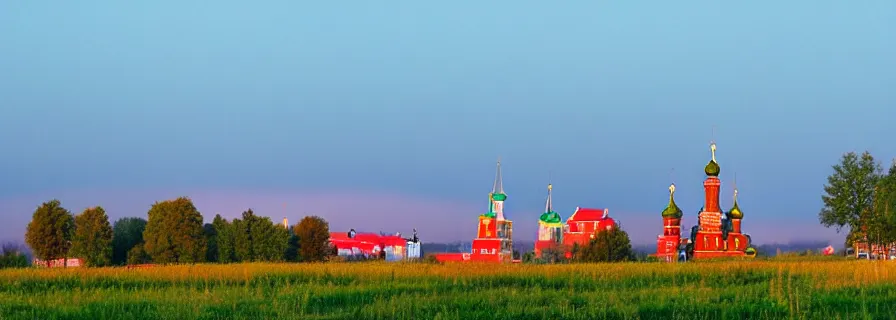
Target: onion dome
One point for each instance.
(712, 168)
(550, 216)
(672, 210)
(499, 196)
(735, 212)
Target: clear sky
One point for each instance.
(389, 115)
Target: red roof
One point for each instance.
(588, 214)
(338, 235)
(365, 241)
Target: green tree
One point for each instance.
(849, 193)
(174, 232)
(224, 240)
(92, 240)
(50, 231)
(882, 227)
(314, 239)
(127, 233)
(258, 238)
(608, 246)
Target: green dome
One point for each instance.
(735, 212)
(550, 217)
(712, 169)
(499, 197)
(672, 210)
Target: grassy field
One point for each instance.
(708, 290)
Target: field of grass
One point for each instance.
(707, 290)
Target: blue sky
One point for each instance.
(390, 115)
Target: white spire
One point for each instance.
(498, 187)
(547, 206)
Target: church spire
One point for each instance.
(735, 212)
(498, 188)
(547, 206)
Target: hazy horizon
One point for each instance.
(390, 116)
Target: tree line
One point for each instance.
(861, 197)
(173, 232)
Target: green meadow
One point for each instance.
(703, 290)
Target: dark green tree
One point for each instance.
(49, 233)
(242, 243)
(92, 240)
(314, 239)
(608, 246)
(174, 232)
(292, 247)
(211, 240)
(127, 233)
(224, 240)
(849, 194)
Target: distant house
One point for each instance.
(372, 245)
(58, 263)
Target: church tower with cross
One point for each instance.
(550, 228)
(717, 233)
(494, 235)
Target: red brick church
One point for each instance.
(717, 233)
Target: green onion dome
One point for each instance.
(499, 197)
(550, 217)
(735, 212)
(672, 210)
(712, 169)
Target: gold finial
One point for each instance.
(550, 187)
(671, 189)
(712, 147)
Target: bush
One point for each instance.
(137, 255)
(12, 256)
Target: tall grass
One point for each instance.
(710, 290)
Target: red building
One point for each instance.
(717, 234)
(584, 224)
(372, 245)
(494, 235)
